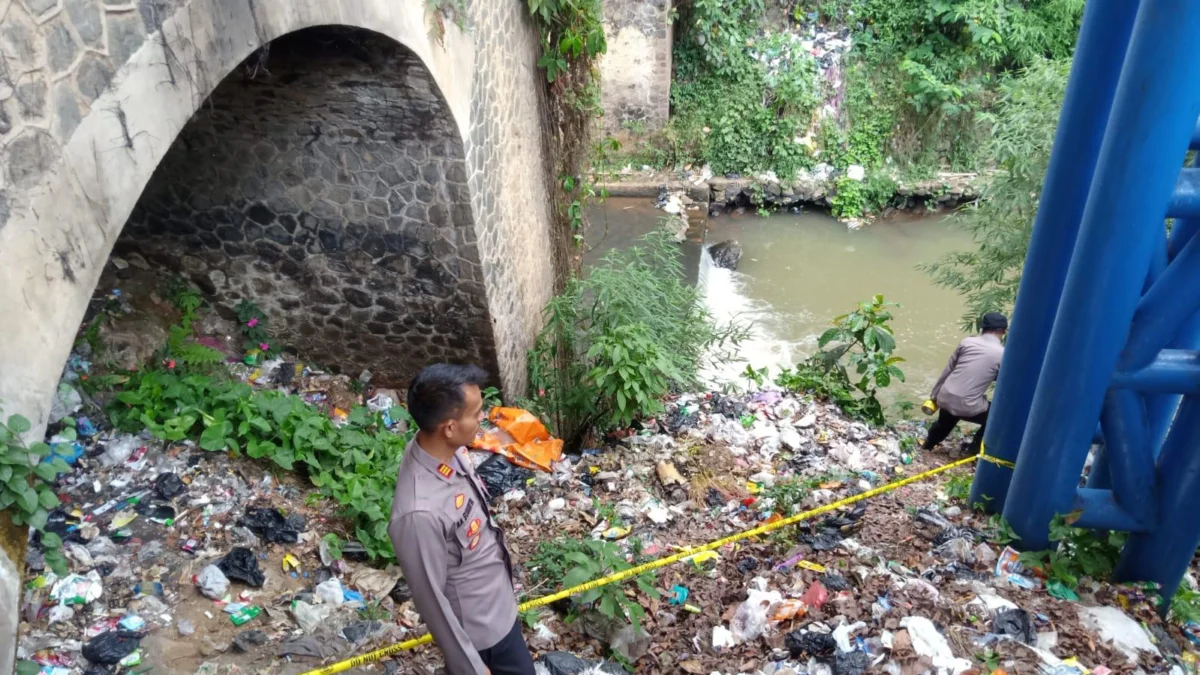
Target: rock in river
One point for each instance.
(726, 254)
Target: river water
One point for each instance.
(799, 271)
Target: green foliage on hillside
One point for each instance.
(907, 98)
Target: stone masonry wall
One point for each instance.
(93, 94)
(507, 161)
(635, 74)
(325, 181)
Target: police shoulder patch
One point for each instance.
(445, 470)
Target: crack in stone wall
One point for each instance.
(330, 189)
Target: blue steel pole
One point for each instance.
(1152, 118)
(1164, 554)
(1100, 51)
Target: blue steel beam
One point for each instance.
(1153, 115)
(1163, 311)
(1130, 458)
(1164, 554)
(1185, 201)
(1100, 50)
(1173, 371)
(1099, 511)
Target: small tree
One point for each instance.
(617, 340)
(1001, 220)
(861, 342)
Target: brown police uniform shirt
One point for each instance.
(453, 557)
(974, 365)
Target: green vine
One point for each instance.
(571, 34)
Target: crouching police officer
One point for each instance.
(451, 551)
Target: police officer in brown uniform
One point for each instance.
(449, 547)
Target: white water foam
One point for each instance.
(725, 299)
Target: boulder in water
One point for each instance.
(726, 254)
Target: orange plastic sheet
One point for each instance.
(521, 437)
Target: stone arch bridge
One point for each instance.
(371, 173)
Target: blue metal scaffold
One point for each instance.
(1107, 319)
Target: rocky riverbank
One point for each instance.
(814, 190)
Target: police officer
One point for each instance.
(451, 551)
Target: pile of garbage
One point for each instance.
(183, 560)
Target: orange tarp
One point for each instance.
(521, 437)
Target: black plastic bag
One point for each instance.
(834, 582)
(501, 475)
(241, 565)
(566, 663)
(168, 486)
(1016, 623)
(271, 525)
(804, 642)
(361, 630)
(248, 639)
(747, 565)
(851, 663)
(822, 541)
(109, 648)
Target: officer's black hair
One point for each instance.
(436, 393)
(993, 322)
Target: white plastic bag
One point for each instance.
(212, 582)
(330, 592)
(750, 619)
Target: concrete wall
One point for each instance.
(94, 92)
(635, 73)
(326, 182)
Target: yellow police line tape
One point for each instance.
(668, 560)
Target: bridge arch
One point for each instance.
(98, 93)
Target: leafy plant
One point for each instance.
(616, 341)
(1079, 552)
(1001, 221)
(999, 530)
(959, 487)
(1185, 604)
(491, 397)
(565, 563)
(253, 320)
(27, 483)
(355, 463)
(861, 343)
(334, 545)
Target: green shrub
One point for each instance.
(563, 563)
(861, 342)
(355, 464)
(27, 483)
(618, 339)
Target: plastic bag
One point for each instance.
(806, 642)
(119, 450)
(271, 525)
(1015, 622)
(310, 617)
(212, 582)
(168, 486)
(500, 475)
(110, 647)
(74, 589)
(330, 592)
(241, 565)
(815, 596)
(851, 663)
(750, 619)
